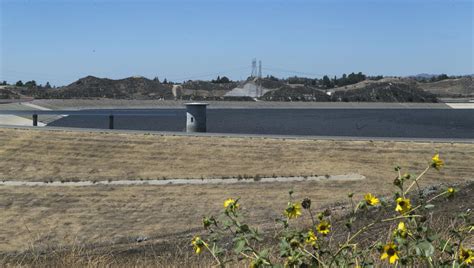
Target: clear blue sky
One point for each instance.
(61, 41)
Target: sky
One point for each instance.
(62, 41)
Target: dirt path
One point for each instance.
(348, 177)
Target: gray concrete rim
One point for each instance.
(231, 135)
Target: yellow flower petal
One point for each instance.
(393, 259)
(390, 251)
(371, 200)
(403, 205)
(293, 210)
(324, 227)
(436, 162)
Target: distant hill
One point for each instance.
(385, 92)
(459, 87)
(128, 88)
(199, 88)
(8, 93)
(392, 89)
(365, 83)
(367, 91)
(453, 87)
(423, 76)
(298, 93)
(94, 87)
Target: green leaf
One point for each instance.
(429, 206)
(240, 246)
(432, 235)
(446, 246)
(244, 228)
(425, 249)
(264, 253)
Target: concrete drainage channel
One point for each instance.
(346, 177)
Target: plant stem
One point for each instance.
(427, 202)
(213, 255)
(315, 257)
(415, 181)
(363, 229)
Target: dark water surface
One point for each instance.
(414, 123)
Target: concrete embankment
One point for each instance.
(25, 120)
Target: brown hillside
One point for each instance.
(132, 87)
(460, 87)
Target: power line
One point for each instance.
(36, 74)
(276, 69)
(207, 74)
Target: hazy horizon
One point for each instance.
(62, 41)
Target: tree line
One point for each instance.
(327, 82)
(435, 78)
(29, 84)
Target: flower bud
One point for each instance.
(327, 212)
(397, 182)
(320, 215)
(306, 204)
(206, 222)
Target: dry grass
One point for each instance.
(43, 219)
(41, 216)
(173, 250)
(66, 155)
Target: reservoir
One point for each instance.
(405, 123)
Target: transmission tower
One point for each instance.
(254, 68)
(259, 80)
(259, 69)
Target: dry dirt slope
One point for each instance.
(66, 155)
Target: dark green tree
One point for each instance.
(442, 77)
(225, 79)
(19, 83)
(327, 82)
(31, 84)
(220, 80)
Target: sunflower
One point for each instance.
(466, 256)
(436, 162)
(324, 227)
(311, 238)
(390, 251)
(198, 244)
(401, 230)
(371, 200)
(231, 204)
(403, 205)
(293, 210)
